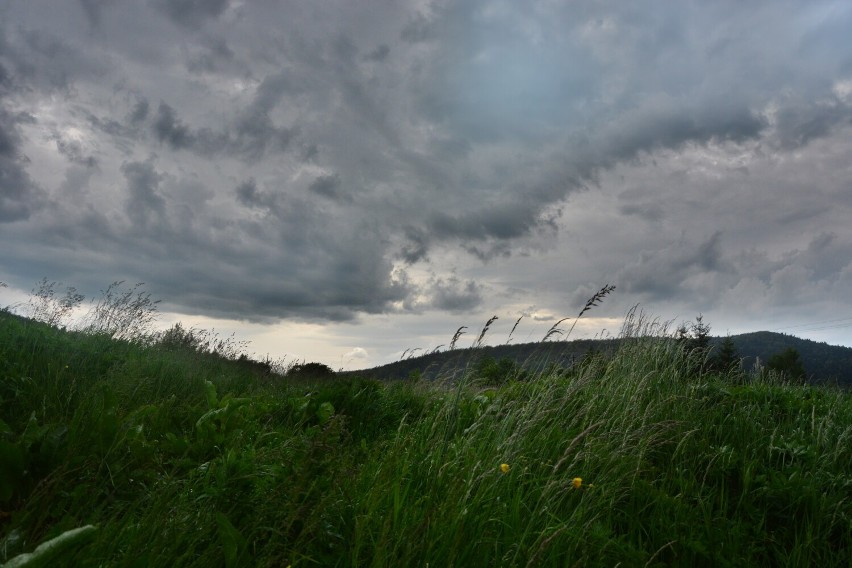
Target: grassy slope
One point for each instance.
(181, 459)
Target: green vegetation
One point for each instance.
(823, 364)
(169, 453)
(788, 363)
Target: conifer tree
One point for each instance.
(788, 363)
(727, 358)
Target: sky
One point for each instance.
(342, 181)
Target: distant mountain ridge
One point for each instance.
(823, 363)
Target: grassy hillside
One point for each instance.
(180, 458)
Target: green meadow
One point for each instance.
(162, 453)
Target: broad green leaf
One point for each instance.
(210, 391)
(48, 552)
(232, 540)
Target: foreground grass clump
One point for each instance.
(180, 458)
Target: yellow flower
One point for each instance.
(577, 482)
(504, 467)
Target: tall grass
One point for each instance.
(183, 458)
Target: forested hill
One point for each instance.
(532, 356)
(822, 362)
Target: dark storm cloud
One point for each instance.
(252, 135)
(826, 256)
(649, 211)
(670, 123)
(329, 186)
(249, 195)
(379, 54)
(140, 111)
(416, 245)
(325, 159)
(454, 295)
(75, 153)
(309, 153)
(5, 78)
(506, 221)
(255, 135)
(487, 232)
(42, 60)
(19, 195)
(661, 274)
(171, 130)
(121, 135)
(419, 29)
(191, 13)
(94, 10)
(216, 56)
(800, 124)
(145, 206)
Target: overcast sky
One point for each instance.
(343, 180)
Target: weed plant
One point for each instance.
(182, 457)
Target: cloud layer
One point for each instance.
(326, 161)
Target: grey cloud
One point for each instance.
(825, 257)
(379, 54)
(416, 245)
(310, 153)
(798, 124)
(255, 135)
(669, 123)
(216, 56)
(793, 280)
(291, 266)
(140, 111)
(418, 30)
(122, 136)
(271, 90)
(500, 222)
(191, 13)
(45, 61)
(94, 9)
(252, 136)
(497, 224)
(661, 274)
(453, 295)
(19, 195)
(329, 186)
(345, 49)
(74, 152)
(170, 130)
(9, 135)
(489, 251)
(249, 195)
(648, 211)
(452, 136)
(5, 78)
(145, 206)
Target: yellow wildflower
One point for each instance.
(504, 467)
(577, 482)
